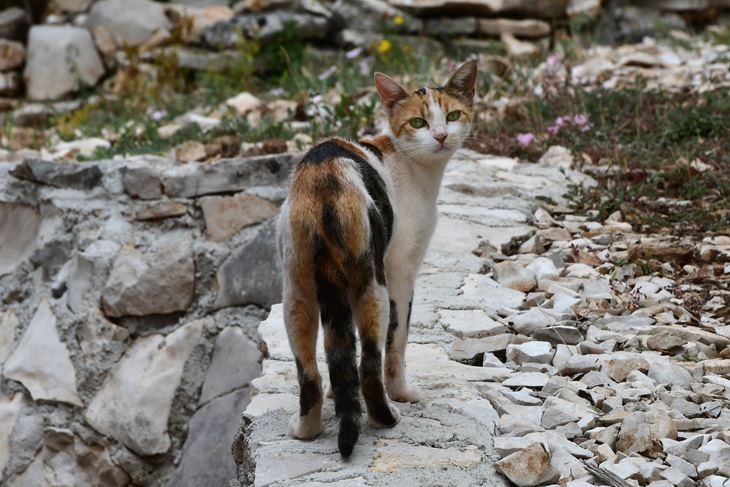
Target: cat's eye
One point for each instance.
(453, 116)
(417, 123)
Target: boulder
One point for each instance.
(131, 22)
(206, 457)
(158, 281)
(12, 54)
(236, 362)
(41, 362)
(227, 215)
(133, 405)
(252, 273)
(60, 59)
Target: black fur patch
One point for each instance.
(333, 299)
(309, 392)
(421, 91)
(327, 151)
(371, 371)
(378, 153)
(332, 226)
(378, 243)
(392, 324)
(375, 187)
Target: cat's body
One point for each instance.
(352, 235)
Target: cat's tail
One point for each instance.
(339, 344)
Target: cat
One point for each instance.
(351, 236)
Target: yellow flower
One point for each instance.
(384, 46)
(398, 20)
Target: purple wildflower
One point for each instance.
(317, 99)
(353, 53)
(158, 115)
(327, 73)
(365, 66)
(525, 139)
(581, 119)
(277, 91)
(553, 129)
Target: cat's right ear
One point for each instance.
(390, 91)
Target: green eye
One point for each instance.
(417, 123)
(453, 116)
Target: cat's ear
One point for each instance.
(462, 82)
(389, 90)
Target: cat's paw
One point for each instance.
(304, 428)
(374, 423)
(405, 393)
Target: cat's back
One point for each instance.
(336, 190)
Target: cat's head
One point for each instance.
(429, 124)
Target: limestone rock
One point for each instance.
(132, 22)
(41, 361)
(235, 363)
(7, 336)
(152, 368)
(670, 374)
(9, 411)
(519, 28)
(244, 103)
(14, 24)
(471, 323)
(83, 147)
(12, 54)
(227, 215)
(521, 8)
(142, 182)
(192, 151)
(263, 26)
(65, 456)
(530, 321)
(260, 283)
(72, 175)
(517, 48)
(528, 467)
(206, 457)
(515, 276)
(534, 352)
(620, 367)
(234, 175)
(642, 432)
(445, 26)
(159, 281)
(59, 57)
(71, 6)
(159, 210)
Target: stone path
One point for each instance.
(448, 438)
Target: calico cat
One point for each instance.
(351, 236)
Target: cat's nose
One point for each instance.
(441, 137)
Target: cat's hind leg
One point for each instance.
(399, 389)
(302, 322)
(371, 310)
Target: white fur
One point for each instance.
(416, 170)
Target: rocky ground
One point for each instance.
(537, 346)
(577, 325)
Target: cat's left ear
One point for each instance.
(462, 82)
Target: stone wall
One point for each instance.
(130, 293)
(80, 42)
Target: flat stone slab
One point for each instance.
(446, 439)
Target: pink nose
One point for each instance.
(440, 137)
